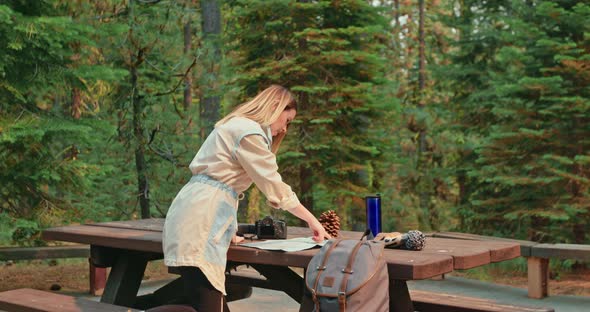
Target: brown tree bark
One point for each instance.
(76, 103)
(210, 99)
(138, 132)
(305, 173)
(429, 212)
(188, 81)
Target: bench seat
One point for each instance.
(538, 256)
(423, 301)
(33, 300)
(426, 301)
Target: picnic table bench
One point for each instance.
(423, 301)
(33, 300)
(427, 301)
(128, 246)
(97, 276)
(537, 255)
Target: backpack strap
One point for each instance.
(348, 271)
(321, 268)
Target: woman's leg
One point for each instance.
(199, 292)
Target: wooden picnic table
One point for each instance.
(127, 247)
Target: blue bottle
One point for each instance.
(373, 206)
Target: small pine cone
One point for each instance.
(331, 222)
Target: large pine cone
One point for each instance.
(331, 222)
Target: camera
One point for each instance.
(266, 228)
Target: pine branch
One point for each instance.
(180, 81)
(167, 154)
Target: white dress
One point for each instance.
(202, 218)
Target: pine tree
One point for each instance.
(40, 144)
(328, 53)
(532, 165)
(417, 174)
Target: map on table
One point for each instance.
(293, 244)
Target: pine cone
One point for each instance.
(331, 222)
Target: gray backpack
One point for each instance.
(347, 275)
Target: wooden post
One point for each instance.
(538, 277)
(98, 279)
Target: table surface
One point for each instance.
(440, 256)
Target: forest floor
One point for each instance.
(71, 275)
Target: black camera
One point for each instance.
(266, 228)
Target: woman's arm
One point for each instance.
(260, 164)
(319, 233)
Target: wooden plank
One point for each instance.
(399, 296)
(407, 265)
(404, 264)
(152, 224)
(538, 277)
(104, 236)
(171, 293)
(283, 278)
(250, 280)
(562, 251)
(466, 254)
(28, 253)
(98, 279)
(125, 279)
(425, 301)
(499, 250)
(32, 300)
(525, 246)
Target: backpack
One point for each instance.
(347, 275)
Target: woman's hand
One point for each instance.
(237, 239)
(319, 233)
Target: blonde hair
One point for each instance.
(265, 108)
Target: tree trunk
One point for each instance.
(210, 98)
(140, 165)
(580, 229)
(421, 51)
(188, 81)
(305, 173)
(396, 8)
(423, 164)
(306, 184)
(76, 103)
(463, 194)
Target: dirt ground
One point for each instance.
(71, 275)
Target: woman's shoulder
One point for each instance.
(241, 125)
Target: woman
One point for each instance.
(201, 221)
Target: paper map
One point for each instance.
(293, 244)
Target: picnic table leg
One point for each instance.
(125, 279)
(288, 281)
(171, 293)
(399, 297)
(538, 276)
(98, 278)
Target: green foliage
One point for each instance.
(40, 162)
(528, 183)
(328, 53)
(27, 233)
(500, 122)
(6, 225)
